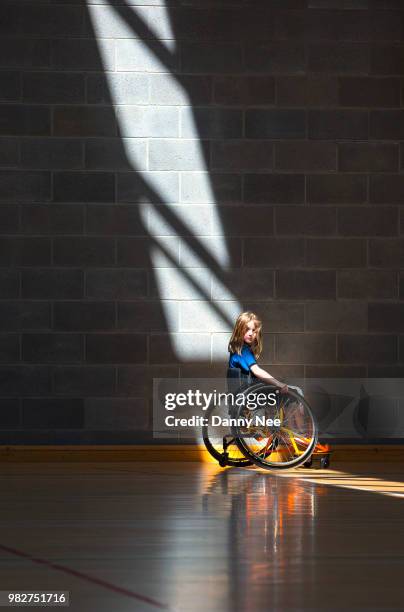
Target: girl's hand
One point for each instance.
(284, 389)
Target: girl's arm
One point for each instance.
(266, 377)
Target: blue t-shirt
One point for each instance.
(243, 361)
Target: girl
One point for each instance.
(245, 347)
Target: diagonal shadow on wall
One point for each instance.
(144, 194)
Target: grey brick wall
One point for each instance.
(162, 168)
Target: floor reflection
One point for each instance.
(193, 537)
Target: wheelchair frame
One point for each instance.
(284, 447)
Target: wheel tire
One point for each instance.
(324, 462)
(259, 457)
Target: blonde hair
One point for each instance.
(239, 330)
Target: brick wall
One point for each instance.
(199, 159)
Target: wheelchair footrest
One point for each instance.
(322, 449)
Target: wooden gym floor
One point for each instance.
(193, 537)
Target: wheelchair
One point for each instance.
(277, 434)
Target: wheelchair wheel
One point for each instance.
(282, 435)
(219, 440)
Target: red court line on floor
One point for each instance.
(72, 572)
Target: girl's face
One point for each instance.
(251, 333)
